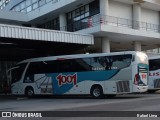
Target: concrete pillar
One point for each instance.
(136, 16)
(104, 7)
(105, 45)
(63, 22)
(137, 46)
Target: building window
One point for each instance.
(48, 1)
(17, 8)
(94, 8)
(3, 3)
(41, 2)
(52, 24)
(33, 1)
(22, 5)
(29, 8)
(78, 18)
(28, 2)
(35, 5)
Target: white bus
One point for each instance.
(82, 74)
(154, 74)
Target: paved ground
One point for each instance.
(136, 102)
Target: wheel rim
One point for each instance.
(30, 92)
(96, 92)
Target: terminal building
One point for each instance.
(35, 28)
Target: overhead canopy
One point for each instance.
(23, 42)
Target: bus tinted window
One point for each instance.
(111, 62)
(17, 72)
(71, 65)
(41, 67)
(81, 65)
(121, 61)
(100, 63)
(74, 65)
(154, 64)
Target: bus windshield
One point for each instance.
(16, 72)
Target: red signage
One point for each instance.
(67, 79)
(144, 76)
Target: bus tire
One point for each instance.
(97, 92)
(29, 92)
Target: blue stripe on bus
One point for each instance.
(81, 76)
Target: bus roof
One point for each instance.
(154, 57)
(75, 56)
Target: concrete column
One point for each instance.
(105, 45)
(104, 7)
(136, 16)
(137, 46)
(63, 22)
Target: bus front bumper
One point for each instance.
(142, 89)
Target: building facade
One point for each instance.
(33, 28)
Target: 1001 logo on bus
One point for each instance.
(67, 79)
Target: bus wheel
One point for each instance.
(97, 92)
(29, 92)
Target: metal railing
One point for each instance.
(110, 20)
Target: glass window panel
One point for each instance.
(82, 16)
(121, 61)
(87, 8)
(22, 5)
(87, 14)
(77, 12)
(29, 8)
(77, 18)
(69, 16)
(17, 8)
(17, 72)
(48, 1)
(0, 3)
(33, 1)
(98, 63)
(73, 14)
(41, 2)
(28, 2)
(82, 10)
(35, 5)
(24, 10)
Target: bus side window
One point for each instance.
(121, 61)
(82, 64)
(34, 68)
(65, 66)
(99, 63)
(154, 64)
